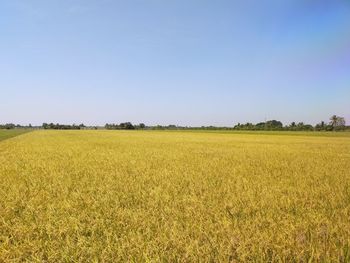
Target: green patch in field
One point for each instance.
(6, 134)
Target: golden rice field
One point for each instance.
(148, 196)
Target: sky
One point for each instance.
(183, 62)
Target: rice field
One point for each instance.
(157, 196)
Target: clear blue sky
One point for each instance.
(185, 62)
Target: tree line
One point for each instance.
(9, 126)
(57, 126)
(124, 126)
(336, 123)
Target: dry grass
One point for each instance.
(83, 196)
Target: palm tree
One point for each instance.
(337, 122)
(334, 120)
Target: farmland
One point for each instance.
(81, 196)
(6, 134)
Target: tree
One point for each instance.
(9, 126)
(320, 126)
(333, 120)
(260, 126)
(337, 122)
(126, 126)
(274, 125)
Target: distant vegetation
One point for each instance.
(336, 123)
(62, 126)
(10, 126)
(124, 126)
